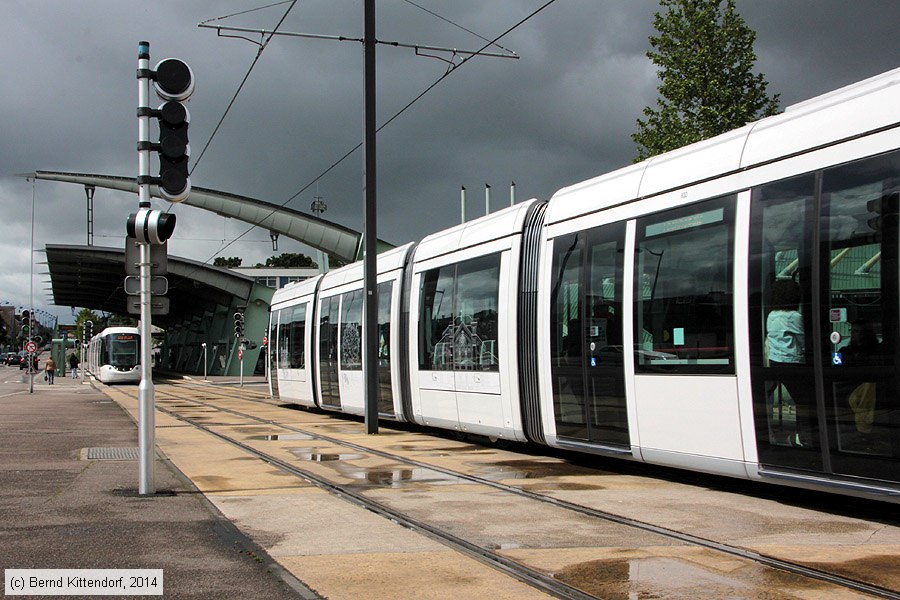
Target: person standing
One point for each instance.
(73, 365)
(49, 370)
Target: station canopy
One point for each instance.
(94, 277)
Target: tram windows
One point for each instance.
(458, 325)
(436, 319)
(291, 337)
(351, 330)
(683, 290)
(476, 328)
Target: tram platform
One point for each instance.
(224, 524)
(68, 500)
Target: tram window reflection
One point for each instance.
(683, 290)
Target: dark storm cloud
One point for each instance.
(562, 113)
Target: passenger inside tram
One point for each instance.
(786, 348)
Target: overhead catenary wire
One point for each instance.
(389, 121)
(262, 47)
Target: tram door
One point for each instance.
(825, 360)
(587, 366)
(328, 352)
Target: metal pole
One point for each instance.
(487, 199)
(512, 193)
(89, 192)
(31, 355)
(241, 363)
(370, 279)
(204, 362)
(462, 204)
(146, 417)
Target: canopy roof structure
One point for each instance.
(93, 277)
(331, 238)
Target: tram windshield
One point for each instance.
(123, 349)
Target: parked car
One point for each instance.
(13, 358)
(24, 364)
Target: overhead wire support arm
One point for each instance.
(341, 38)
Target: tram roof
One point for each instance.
(93, 277)
(862, 107)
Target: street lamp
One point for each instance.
(317, 207)
(204, 361)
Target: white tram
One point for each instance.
(635, 314)
(113, 355)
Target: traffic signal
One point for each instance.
(26, 323)
(238, 325)
(88, 330)
(173, 81)
(883, 208)
(150, 226)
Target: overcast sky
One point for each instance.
(562, 113)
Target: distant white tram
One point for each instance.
(113, 355)
(634, 315)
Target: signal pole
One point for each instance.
(146, 409)
(174, 82)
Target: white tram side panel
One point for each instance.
(339, 337)
(113, 355)
(463, 339)
(700, 235)
(290, 339)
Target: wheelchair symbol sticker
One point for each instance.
(836, 359)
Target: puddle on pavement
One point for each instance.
(646, 578)
(529, 469)
(879, 569)
(282, 436)
(673, 578)
(305, 454)
(563, 486)
(394, 478)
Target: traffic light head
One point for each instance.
(238, 324)
(174, 83)
(174, 80)
(174, 151)
(883, 210)
(150, 226)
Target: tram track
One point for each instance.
(515, 569)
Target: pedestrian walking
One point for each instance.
(49, 370)
(73, 365)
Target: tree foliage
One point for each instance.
(230, 262)
(704, 51)
(289, 260)
(86, 314)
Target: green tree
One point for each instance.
(230, 262)
(705, 56)
(86, 314)
(289, 260)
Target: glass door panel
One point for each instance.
(328, 352)
(566, 342)
(587, 366)
(605, 365)
(781, 310)
(859, 266)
